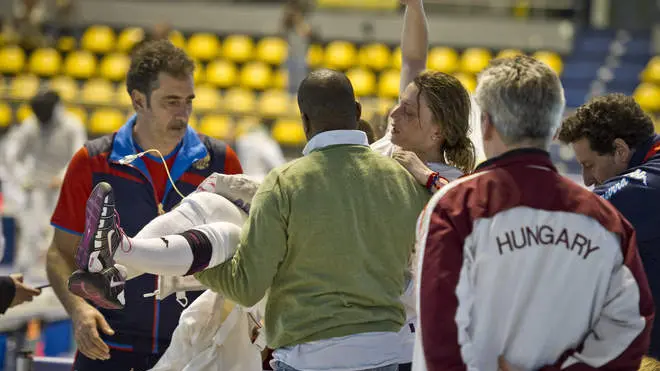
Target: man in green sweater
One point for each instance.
(329, 236)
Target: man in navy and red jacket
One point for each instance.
(160, 83)
(615, 143)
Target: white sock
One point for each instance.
(167, 256)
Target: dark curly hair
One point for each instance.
(152, 58)
(605, 118)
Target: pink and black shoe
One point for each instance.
(103, 233)
(105, 289)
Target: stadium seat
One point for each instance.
(122, 97)
(274, 103)
(396, 58)
(363, 80)
(45, 62)
(203, 46)
(97, 91)
(315, 56)
(508, 53)
(652, 71)
(24, 86)
(340, 55)
(375, 56)
(553, 60)
(272, 50)
(105, 121)
(216, 126)
(5, 115)
(12, 60)
(221, 73)
(647, 96)
(468, 81)
(114, 66)
(80, 64)
(23, 112)
(388, 85)
(128, 38)
(443, 59)
(207, 98)
(256, 76)
(281, 79)
(288, 132)
(238, 48)
(176, 38)
(65, 86)
(66, 44)
(239, 100)
(98, 39)
(79, 112)
(473, 60)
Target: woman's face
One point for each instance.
(412, 123)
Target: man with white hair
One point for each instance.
(517, 262)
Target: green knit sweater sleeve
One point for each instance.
(245, 278)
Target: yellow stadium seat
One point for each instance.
(80, 64)
(105, 121)
(396, 58)
(238, 48)
(553, 60)
(508, 53)
(375, 56)
(12, 60)
(221, 73)
(288, 132)
(5, 115)
(98, 39)
(443, 60)
(656, 123)
(648, 97)
(65, 86)
(177, 39)
(45, 62)
(79, 112)
(114, 66)
(97, 91)
(388, 85)
(468, 81)
(340, 55)
(363, 80)
(207, 98)
(239, 100)
(652, 71)
(198, 74)
(24, 86)
(315, 56)
(23, 112)
(128, 38)
(274, 103)
(216, 126)
(66, 43)
(122, 97)
(256, 76)
(272, 50)
(473, 60)
(203, 46)
(281, 79)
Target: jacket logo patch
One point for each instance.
(203, 163)
(616, 187)
(639, 175)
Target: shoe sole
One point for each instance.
(91, 286)
(93, 210)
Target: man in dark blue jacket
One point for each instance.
(615, 143)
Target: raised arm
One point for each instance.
(414, 42)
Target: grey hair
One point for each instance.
(523, 97)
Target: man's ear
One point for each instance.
(487, 127)
(305, 122)
(622, 152)
(358, 110)
(138, 100)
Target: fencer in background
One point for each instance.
(257, 151)
(35, 159)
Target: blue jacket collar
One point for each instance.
(191, 150)
(643, 150)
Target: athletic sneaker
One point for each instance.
(105, 289)
(103, 234)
